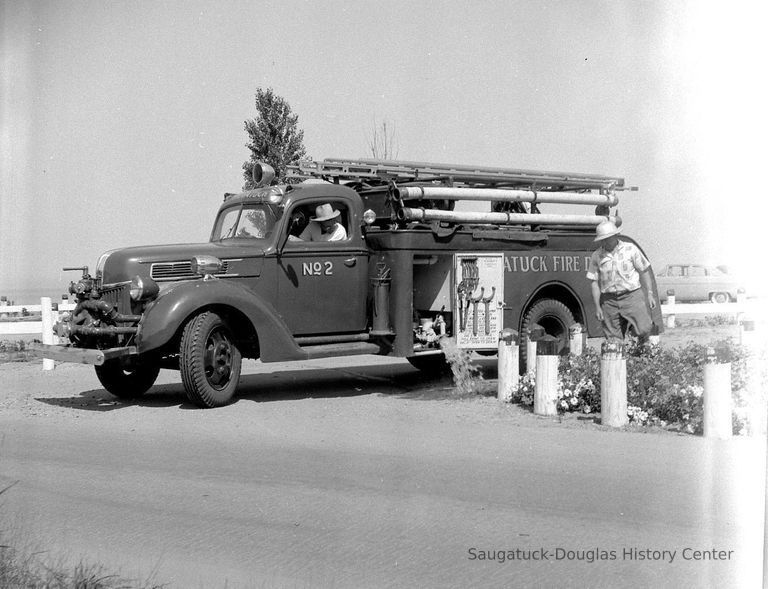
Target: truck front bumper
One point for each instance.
(80, 355)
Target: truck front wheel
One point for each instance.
(124, 381)
(209, 361)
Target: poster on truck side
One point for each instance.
(478, 296)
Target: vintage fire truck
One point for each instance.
(432, 251)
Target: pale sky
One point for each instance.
(122, 122)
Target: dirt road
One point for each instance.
(363, 473)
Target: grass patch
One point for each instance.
(24, 568)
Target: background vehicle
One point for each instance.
(412, 272)
(695, 282)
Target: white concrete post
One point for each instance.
(654, 339)
(545, 393)
(530, 356)
(671, 301)
(46, 312)
(718, 420)
(576, 337)
(613, 385)
(509, 364)
(747, 332)
(532, 336)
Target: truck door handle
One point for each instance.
(350, 262)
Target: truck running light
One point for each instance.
(275, 195)
(369, 217)
(206, 265)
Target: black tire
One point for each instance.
(554, 317)
(719, 297)
(127, 382)
(434, 364)
(209, 361)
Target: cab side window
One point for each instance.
(321, 221)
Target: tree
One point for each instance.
(382, 142)
(275, 137)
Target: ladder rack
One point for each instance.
(376, 171)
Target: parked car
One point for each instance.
(693, 282)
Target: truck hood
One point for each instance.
(168, 263)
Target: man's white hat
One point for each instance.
(605, 230)
(324, 212)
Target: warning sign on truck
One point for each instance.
(479, 299)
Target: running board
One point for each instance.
(342, 349)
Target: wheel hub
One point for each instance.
(218, 359)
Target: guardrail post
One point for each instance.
(576, 339)
(532, 336)
(718, 421)
(545, 393)
(509, 364)
(46, 314)
(613, 385)
(670, 301)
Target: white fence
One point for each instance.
(30, 325)
(34, 326)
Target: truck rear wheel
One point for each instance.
(209, 361)
(554, 317)
(127, 382)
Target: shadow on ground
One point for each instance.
(398, 380)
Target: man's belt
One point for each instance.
(620, 293)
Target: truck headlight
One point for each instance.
(143, 288)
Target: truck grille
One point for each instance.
(177, 270)
(119, 296)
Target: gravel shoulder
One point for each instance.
(360, 472)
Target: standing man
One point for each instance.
(621, 279)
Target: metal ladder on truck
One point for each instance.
(383, 171)
(423, 184)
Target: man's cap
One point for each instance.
(324, 212)
(605, 230)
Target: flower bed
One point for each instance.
(664, 385)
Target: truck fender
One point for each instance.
(164, 317)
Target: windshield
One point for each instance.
(252, 221)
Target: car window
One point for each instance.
(675, 271)
(696, 271)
